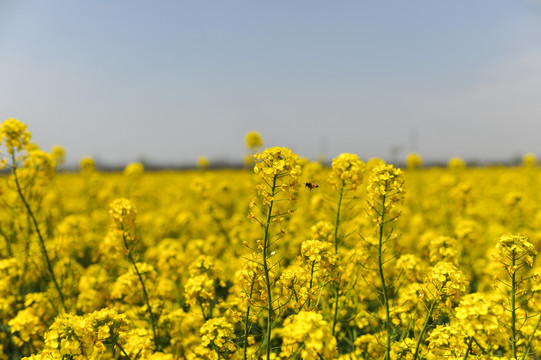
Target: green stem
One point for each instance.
(513, 311)
(527, 348)
(382, 279)
(337, 221)
(266, 268)
(311, 282)
(38, 232)
(145, 294)
(122, 349)
(336, 226)
(335, 315)
(247, 321)
(423, 330)
(469, 349)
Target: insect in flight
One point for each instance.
(311, 186)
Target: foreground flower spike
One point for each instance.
(347, 174)
(515, 253)
(279, 172)
(443, 286)
(384, 191)
(123, 214)
(31, 170)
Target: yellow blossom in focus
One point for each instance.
(447, 342)
(218, 333)
(308, 332)
(446, 284)
(278, 171)
(319, 253)
(348, 170)
(385, 190)
(516, 247)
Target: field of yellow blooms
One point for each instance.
(286, 259)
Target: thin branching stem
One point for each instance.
(337, 283)
(145, 294)
(266, 269)
(38, 231)
(424, 329)
(529, 343)
(382, 279)
(513, 311)
(247, 320)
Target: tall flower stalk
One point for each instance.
(514, 254)
(123, 214)
(346, 175)
(36, 166)
(443, 288)
(278, 172)
(385, 190)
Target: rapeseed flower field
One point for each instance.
(286, 259)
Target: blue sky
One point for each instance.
(168, 81)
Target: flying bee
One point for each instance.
(311, 186)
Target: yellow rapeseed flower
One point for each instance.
(348, 170)
(253, 140)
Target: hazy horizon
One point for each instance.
(170, 81)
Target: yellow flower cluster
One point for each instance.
(478, 316)
(253, 140)
(85, 337)
(447, 341)
(347, 170)
(87, 165)
(251, 282)
(134, 170)
(516, 248)
(456, 163)
(319, 253)
(310, 334)
(323, 230)
(446, 283)
(385, 190)
(414, 161)
(201, 283)
(14, 135)
(123, 214)
(218, 333)
(277, 162)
